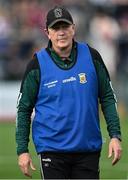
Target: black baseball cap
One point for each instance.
(58, 14)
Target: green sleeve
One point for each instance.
(107, 99)
(26, 102)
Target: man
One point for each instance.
(64, 82)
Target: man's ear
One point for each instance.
(47, 33)
(73, 26)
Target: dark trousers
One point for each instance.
(70, 165)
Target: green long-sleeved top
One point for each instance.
(30, 87)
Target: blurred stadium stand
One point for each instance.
(101, 23)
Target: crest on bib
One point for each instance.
(82, 77)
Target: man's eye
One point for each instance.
(56, 27)
(65, 26)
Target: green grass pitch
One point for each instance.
(8, 158)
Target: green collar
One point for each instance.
(64, 64)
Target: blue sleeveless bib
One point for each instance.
(66, 112)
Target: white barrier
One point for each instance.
(8, 99)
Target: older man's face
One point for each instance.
(61, 35)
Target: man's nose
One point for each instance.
(61, 31)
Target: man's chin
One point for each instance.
(63, 45)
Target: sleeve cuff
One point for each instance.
(116, 136)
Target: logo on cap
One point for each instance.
(58, 13)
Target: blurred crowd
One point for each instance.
(101, 23)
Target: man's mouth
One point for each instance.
(61, 39)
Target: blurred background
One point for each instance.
(103, 24)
